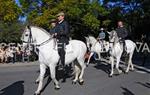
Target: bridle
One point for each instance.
(31, 41)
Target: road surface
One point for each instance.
(20, 80)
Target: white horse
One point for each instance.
(96, 47)
(117, 50)
(48, 56)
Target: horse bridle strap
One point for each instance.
(30, 40)
(44, 42)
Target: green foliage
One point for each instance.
(84, 16)
(91, 21)
(10, 32)
(9, 11)
(77, 12)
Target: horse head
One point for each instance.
(33, 35)
(87, 42)
(113, 38)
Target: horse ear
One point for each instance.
(28, 26)
(109, 32)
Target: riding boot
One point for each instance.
(124, 49)
(64, 66)
(61, 52)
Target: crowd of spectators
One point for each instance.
(12, 52)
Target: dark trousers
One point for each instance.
(61, 50)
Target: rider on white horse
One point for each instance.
(122, 34)
(101, 37)
(53, 26)
(48, 57)
(62, 31)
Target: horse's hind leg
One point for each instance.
(130, 63)
(77, 72)
(41, 77)
(83, 66)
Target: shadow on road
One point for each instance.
(103, 67)
(16, 88)
(126, 91)
(144, 84)
(60, 75)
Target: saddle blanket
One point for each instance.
(68, 48)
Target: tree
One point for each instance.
(82, 15)
(9, 11)
(11, 32)
(9, 25)
(132, 12)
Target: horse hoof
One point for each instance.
(57, 88)
(110, 76)
(81, 83)
(73, 82)
(37, 82)
(37, 93)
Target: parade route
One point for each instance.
(19, 79)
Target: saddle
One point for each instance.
(68, 48)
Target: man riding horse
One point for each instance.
(61, 33)
(122, 34)
(103, 37)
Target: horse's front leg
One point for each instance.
(117, 64)
(53, 75)
(112, 66)
(40, 78)
(91, 54)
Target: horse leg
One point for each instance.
(99, 56)
(3, 60)
(132, 67)
(112, 66)
(83, 66)
(38, 79)
(41, 77)
(77, 72)
(117, 64)
(91, 54)
(130, 63)
(53, 76)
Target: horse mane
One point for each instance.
(42, 30)
(92, 37)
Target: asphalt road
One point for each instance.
(19, 80)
